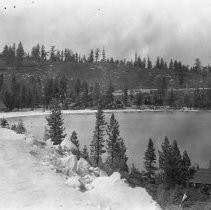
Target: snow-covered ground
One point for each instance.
(27, 183)
(84, 111)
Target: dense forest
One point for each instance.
(32, 80)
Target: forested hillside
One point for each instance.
(37, 77)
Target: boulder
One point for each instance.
(68, 145)
(82, 167)
(69, 162)
(49, 143)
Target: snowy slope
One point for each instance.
(25, 183)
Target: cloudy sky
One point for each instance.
(179, 29)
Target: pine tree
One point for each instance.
(165, 160)
(96, 94)
(4, 123)
(97, 143)
(52, 54)
(157, 65)
(125, 96)
(43, 53)
(176, 164)
(97, 51)
(150, 160)
(74, 140)
(1, 81)
(19, 55)
(91, 56)
(55, 123)
(109, 98)
(149, 63)
(186, 164)
(170, 161)
(171, 65)
(113, 147)
(85, 153)
(103, 55)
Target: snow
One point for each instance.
(82, 167)
(84, 111)
(67, 144)
(29, 183)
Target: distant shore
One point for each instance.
(40, 112)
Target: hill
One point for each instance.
(121, 75)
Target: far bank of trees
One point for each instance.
(35, 92)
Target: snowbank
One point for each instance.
(114, 188)
(29, 184)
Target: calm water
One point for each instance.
(192, 130)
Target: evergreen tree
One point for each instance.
(19, 55)
(52, 54)
(96, 94)
(4, 123)
(115, 147)
(103, 55)
(125, 96)
(85, 94)
(43, 53)
(138, 99)
(171, 65)
(97, 143)
(177, 169)
(171, 98)
(157, 65)
(170, 161)
(187, 165)
(109, 98)
(74, 140)
(8, 100)
(85, 153)
(150, 160)
(1, 81)
(165, 160)
(55, 123)
(149, 63)
(97, 51)
(91, 56)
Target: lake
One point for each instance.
(192, 130)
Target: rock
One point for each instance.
(91, 169)
(82, 167)
(70, 163)
(67, 145)
(49, 143)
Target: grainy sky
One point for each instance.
(179, 29)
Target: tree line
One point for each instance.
(14, 57)
(35, 92)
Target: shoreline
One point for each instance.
(26, 113)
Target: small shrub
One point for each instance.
(14, 127)
(4, 123)
(20, 129)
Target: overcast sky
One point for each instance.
(179, 29)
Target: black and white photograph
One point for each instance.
(105, 105)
